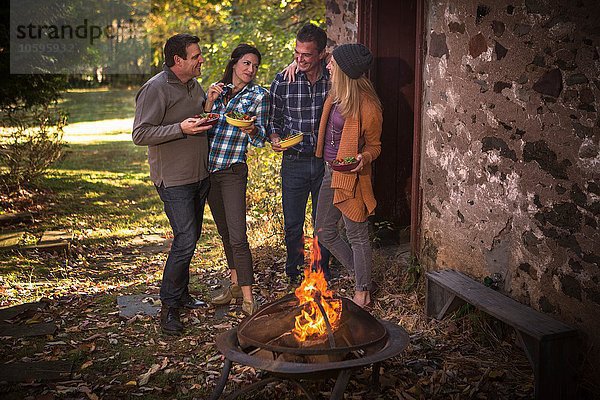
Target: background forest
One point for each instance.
(270, 25)
(32, 119)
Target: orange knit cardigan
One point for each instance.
(353, 192)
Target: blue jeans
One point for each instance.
(184, 206)
(300, 176)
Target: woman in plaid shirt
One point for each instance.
(228, 169)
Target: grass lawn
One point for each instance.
(88, 105)
(101, 194)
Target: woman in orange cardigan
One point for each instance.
(350, 127)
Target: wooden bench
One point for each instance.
(550, 345)
(16, 218)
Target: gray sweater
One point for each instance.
(160, 105)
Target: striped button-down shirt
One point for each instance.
(228, 144)
(296, 107)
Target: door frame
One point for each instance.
(367, 35)
(416, 190)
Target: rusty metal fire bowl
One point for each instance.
(264, 341)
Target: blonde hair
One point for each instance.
(349, 93)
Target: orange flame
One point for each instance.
(313, 289)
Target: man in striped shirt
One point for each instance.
(296, 107)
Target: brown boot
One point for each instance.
(170, 322)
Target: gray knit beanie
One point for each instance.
(353, 59)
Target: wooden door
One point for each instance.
(389, 29)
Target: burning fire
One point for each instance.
(313, 289)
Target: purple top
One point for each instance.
(333, 134)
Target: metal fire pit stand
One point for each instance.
(228, 345)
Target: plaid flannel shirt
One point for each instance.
(296, 107)
(228, 144)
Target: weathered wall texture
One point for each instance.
(342, 25)
(510, 150)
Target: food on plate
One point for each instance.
(208, 115)
(211, 118)
(344, 164)
(238, 119)
(344, 161)
(238, 115)
(291, 140)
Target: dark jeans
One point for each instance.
(184, 206)
(227, 201)
(299, 178)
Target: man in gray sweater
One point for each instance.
(166, 122)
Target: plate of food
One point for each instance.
(238, 119)
(211, 118)
(291, 140)
(344, 164)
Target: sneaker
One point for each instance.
(170, 322)
(231, 293)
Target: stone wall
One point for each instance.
(510, 151)
(342, 24)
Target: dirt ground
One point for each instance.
(461, 357)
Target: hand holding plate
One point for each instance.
(276, 142)
(250, 129)
(361, 165)
(193, 126)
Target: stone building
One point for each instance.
(495, 119)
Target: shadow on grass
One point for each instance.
(98, 105)
(104, 182)
(109, 156)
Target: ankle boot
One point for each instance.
(170, 322)
(249, 307)
(231, 293)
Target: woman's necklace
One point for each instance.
(332, 127)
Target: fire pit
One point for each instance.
(310, 334)
(269, 330)
(396, 341)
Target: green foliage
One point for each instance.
(18, 91)
(264, 189)
(463, 311)
(269, 25)
(28, 91)
(382, 232)
(30, 126)
(415, 271)
(31, 142)
(486, 329)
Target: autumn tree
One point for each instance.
(30, 124)
(270, 25)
